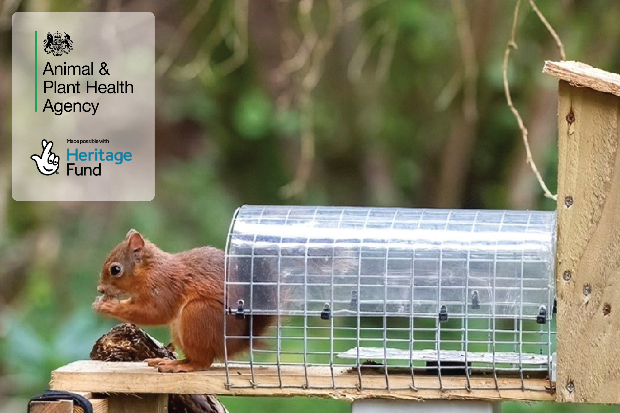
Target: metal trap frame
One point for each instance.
(411, 295)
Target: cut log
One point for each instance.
(128, 342)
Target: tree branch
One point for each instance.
(513, 45)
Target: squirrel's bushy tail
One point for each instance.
(265, 286)
(265, 296)
(260, 324)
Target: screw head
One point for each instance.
(587, 289)
(568, 201)
(570, 386)
(567, 275)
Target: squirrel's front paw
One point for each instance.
(105, 304)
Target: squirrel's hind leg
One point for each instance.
(200, 334)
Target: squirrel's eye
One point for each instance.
(115, 269)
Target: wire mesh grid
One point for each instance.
(382, 298)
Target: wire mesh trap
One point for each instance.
(381, 298)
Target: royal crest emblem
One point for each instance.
(57, 44)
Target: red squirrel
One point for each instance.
(144, 285)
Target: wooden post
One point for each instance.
(588, 249)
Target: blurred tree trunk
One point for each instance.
(473, 31)
(344, 156)
(266, 32)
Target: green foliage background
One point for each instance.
(230, 122)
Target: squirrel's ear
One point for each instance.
(136, 242)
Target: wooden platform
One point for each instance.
(102, 377)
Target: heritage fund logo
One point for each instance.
(57, 44)
(47, 163)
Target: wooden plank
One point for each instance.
(134, 403)
(379, 353)
(60, 406)
(588, 248)
(97, 376)
(99, 405)
(582, 75)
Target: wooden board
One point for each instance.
(588, 248)
(60, 406)
(97, 376)
(377, 353)
(582, 75)
(99, 405)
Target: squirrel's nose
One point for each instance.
(100, 289)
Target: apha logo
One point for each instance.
(47, 163)
(57, 44)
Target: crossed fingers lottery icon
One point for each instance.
(47, 163)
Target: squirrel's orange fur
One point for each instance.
(184, 290)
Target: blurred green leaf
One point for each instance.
(23, 343)
(253, 115)
(76, 335)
